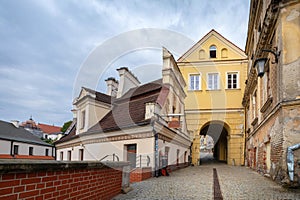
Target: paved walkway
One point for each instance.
(197, 183)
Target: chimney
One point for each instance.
(112, 86)
(15, 123)
(127, 81)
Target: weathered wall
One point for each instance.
(60, 180)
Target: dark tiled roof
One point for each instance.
(9, 132)
(70, 134)
(100, 96)
(129, 110)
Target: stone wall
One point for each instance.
(31, 180)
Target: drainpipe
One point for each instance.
(290, 160)
(156, 161)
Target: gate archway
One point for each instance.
(218, 131)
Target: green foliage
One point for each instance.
(66, 126)
(49, 140)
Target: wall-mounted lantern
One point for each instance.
(261, 62)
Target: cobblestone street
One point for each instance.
(197, 183)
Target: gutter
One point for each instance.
(290, 160)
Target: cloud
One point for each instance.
(45, 43)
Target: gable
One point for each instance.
(225, 50)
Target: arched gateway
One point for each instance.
(213, 106)
(218, 147)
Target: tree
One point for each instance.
(66, 126)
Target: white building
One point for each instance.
(18, 143)
(143, 124)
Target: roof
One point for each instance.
(129, 110)
(9, 132)
(50, 129)
(70, 133)
(100, 96)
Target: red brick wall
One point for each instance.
(140, 174)
(89, 183)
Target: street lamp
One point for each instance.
(261, 62)
(260, 66)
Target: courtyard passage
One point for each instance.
(198, 183)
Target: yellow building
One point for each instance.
(215, 71)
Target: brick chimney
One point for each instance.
(127, 81)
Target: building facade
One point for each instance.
(215, 70)
(18, 143)
(140, 123)
(272, 96)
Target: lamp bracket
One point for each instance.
(276, 54)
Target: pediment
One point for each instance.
(225, 50)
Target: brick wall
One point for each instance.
(140, 174)
(60, 180)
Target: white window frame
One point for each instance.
(237, 80)
(207, 81)
(200, 82)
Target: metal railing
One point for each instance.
(113, 156)
(142, 161)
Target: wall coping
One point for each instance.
(19, 166)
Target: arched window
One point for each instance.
(224, 53)
(212, 51)
(201, 54)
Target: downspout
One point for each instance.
(156, 174)
(290, 160)
(11, 148)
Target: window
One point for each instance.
(30, 151)
(212, 51)
(80, 154)
(195, 82)
(61, 155)
(69, 155)
(16, 149)
(213, 81)
(82, 119)
(47, 152)
(232, 80)
(254, 106)
(266, 84)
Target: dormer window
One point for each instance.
(212, 51)
(149, 112)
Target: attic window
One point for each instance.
(149, 112)
(212, 51)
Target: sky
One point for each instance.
(50, 48)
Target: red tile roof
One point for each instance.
(50, 129)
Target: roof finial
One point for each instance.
(30, 117)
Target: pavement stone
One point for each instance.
(197, 183)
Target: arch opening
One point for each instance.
(213, 143)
